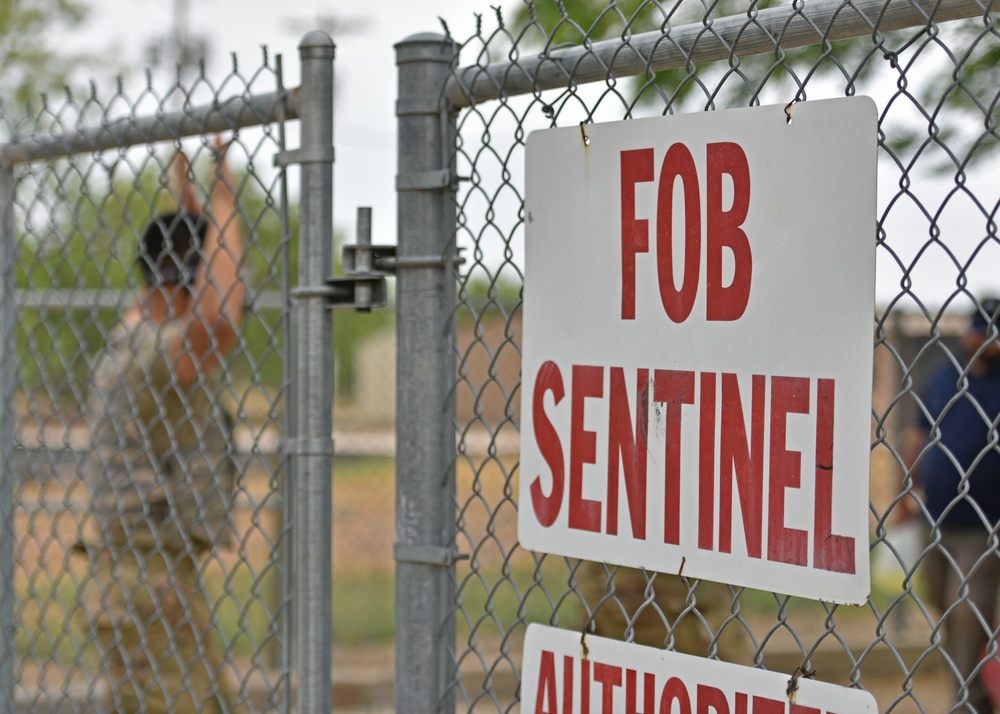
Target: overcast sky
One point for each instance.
(365, 72)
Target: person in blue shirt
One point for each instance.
(954, 452)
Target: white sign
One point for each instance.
(564, 674)
(698, 341)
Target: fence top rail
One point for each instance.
(234, 113)
(741, 35)
(61, 300)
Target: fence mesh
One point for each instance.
(935, 82)
(149, 519)
(77, 220)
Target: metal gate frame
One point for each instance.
(308, 361)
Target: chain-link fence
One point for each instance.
(155, 444)
(925, 639)
(157, 461)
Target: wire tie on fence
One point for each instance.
(793, 682)
(788, 111)
(426, 554)
(583, 133)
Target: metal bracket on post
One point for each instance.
(362, 287)
(309, 155)
(428, 180)
(369, 259)
(355, 291)
(361, 292)
(384, 260)
(427, 555)
(366, 267)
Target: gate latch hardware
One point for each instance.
(361, 292)
(363, 286)
(366, 266)
(367, 259)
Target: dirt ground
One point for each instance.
(51, 507)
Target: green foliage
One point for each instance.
(84, 238)
(247, 608)
(81, 245)
(44, 631)
(349, 329)
(949, 72)
(575, 22)
(482, 293)
(961, 96)
(363, 607)
(81, 235)
(481, 290)
(261, 355)
(29, 64)
(552, 23)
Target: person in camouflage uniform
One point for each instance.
(160, 470)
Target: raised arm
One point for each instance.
(183, 181)
(218, 292)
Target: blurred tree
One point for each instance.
(30, 61)
(950, 72)
(77, 230)
(554, 23)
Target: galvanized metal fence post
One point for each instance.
(7, 400)
(425, 437)
(312, 445)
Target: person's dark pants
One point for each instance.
(963, 575)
